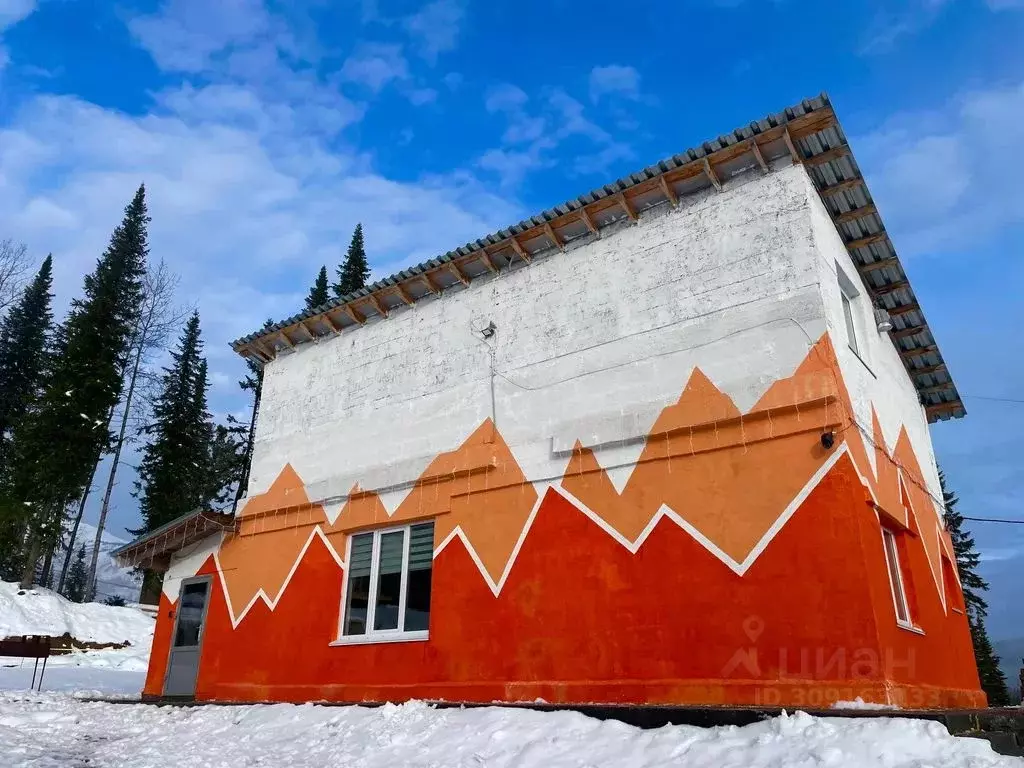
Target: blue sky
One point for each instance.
(265, 131)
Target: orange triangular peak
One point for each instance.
(816, 377)
(701, 402)
(287, 490)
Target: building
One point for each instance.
(665, 443)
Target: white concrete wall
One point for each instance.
(590, 344)
(186, 563)
(876, 377)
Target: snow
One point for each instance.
(111, 579)
(43, 612)
(54, 729)
(859, 703)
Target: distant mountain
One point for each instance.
(1011, 659)
(111, 579)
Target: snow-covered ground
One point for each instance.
(55, 730)
(42, 612)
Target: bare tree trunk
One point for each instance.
(243, 481)
(44, 579)
(105, 507)
(74, 528)
(28, 573)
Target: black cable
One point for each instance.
(994, 520)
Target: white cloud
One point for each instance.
(184, 35)
(436, 27)
(505, 98)
(375, 65)
(420, 96)
(13, 11)
(949, 176)
(614, 79)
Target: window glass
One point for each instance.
(389, 580)
(851, 326)
(421, 559)
(190, 614)
(388, 587)
(895, 578)
(358, 599)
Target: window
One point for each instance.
(851, 326)
(892, 562)
(387, 595)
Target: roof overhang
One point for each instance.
(153, 550)
(808, 133)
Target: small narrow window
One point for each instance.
(851, 325)
(892, 562)
(387, 594)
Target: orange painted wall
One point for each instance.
(581, 618)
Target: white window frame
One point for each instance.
(896, 585)
(848, 294)
(398, 635)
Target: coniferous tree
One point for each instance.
(89, 356)
(355, 269)
(993, 682)
(320, 292)
(253, 382)
(172, 473)
(78, 577)
(23, 359)
(24, 363)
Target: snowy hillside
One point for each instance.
(111, 579)
(42, 612)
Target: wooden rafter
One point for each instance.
(897, 311)
(830, 154)
(330, 322)
(521, 252)
(927, 369)
(669, 191)
(863, 242)
(943, 408)
(431, 285)
(627, 206)
(876, 265)
(553, 236)
(307, 329)
(588, 220)
(270, 352)
(355, 314)
(378, 305)
(459, 274)
(797, 157)
(284, 337)
(885, 290)
(842, 186)
(485, 257)
(906, 332)
(758, 156)
(855, 214)
(712, 176)
(404, 295)
(918, 350)
(935, 388)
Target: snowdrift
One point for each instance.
(43, 612)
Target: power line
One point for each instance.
(994, 520)
(995, 399)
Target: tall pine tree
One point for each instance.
(320, 292)
(89, 357)
(24, 362)
(173, 471)
(354, 270)
(23, 359)
(993, 682)
(75, 588)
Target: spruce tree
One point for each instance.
(23, 354)
(89, 356)
(992, 679)
(320, 292)
(354, 270)
(78, 577)
(172, 473)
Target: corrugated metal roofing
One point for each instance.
(837, 176)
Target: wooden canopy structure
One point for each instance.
(808, 133)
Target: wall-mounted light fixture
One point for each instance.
(883, 321)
